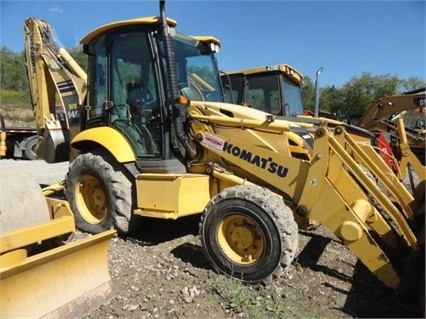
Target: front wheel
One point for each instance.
(249, 233)
(99, 194)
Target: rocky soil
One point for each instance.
(160, 272)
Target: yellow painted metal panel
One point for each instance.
(32, 234)
(109, 138)
(174, 194)
(58, 278)
(45, 282)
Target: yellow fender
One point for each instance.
(109, 138)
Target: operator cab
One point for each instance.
(128, 85)
(273, 89)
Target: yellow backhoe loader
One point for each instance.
(149, 134)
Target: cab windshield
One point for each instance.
(196, 67)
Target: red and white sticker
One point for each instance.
(213, 142)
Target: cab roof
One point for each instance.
(110, 26)
(265, 68)
(207, 39)
(286, 69)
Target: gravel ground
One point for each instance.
(161, 272)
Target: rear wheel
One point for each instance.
(249, 233)
(99, 194)
(30, 148)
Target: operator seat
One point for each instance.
(134, 124)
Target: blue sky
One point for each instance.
(346, 38)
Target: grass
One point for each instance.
(248, 301)
(15, 106)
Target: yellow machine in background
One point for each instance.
(383, 116)
(149, 134)
(275, 89)
(3, 147)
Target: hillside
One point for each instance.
(15, 106)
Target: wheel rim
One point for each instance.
(91, 199)
(241, 239)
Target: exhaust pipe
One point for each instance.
(176, 110)
(316, 110)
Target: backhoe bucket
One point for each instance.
(65, 282)
(54, 146)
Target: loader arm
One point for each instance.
(57, 88)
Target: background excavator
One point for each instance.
(384, 114)
(148, 133)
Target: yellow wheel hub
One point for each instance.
(91, 199)
(241, 239)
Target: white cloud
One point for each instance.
(56, 9)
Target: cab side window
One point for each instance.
(134, 91)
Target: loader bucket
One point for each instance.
(65, 282)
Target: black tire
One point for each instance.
(99, 194)
(248, 232)
(30, 148)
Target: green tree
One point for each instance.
(331, 101)
(12, 70)
(308, 93)
(411, 84)
(360, 92)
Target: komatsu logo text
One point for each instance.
(262, 162)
